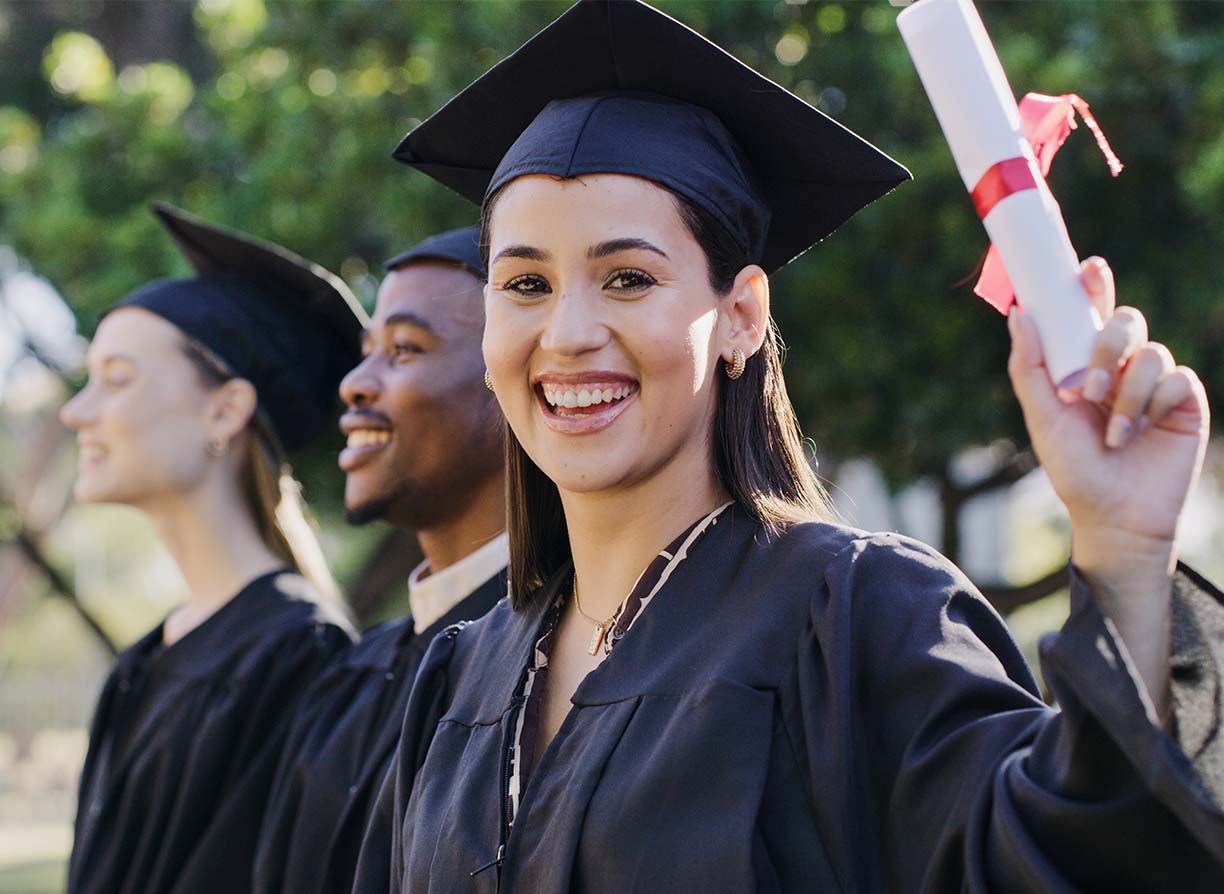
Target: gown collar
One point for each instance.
(251, 613)
(505, 641)
(401, 640)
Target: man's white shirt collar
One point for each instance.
(430, 596)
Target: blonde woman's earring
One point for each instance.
(218, 446)
(488, 381)
(735, 368)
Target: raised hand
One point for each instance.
(1123, 455)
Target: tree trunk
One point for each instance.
(953, 498)
(60, 585)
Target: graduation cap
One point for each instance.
(288, 326)
(457, 246)
(615, 86)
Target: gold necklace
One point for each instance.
(601, 627)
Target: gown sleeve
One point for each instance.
(380, 865)
(285, 794)
(951, 772)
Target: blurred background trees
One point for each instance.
(279, 118)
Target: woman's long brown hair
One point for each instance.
(759, 453)
(272, 494)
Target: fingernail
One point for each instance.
(1142, 425)
(1096, 385)
(1118, 432)
(1012, 320)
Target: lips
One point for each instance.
(367, 436)
(90, 455)
(583, 403)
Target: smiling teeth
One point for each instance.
(368, 437)
(585, 397)
(91, 451)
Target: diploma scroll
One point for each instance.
(977, 112)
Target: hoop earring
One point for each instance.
(488, 381)
(218, 447)
(735, 368)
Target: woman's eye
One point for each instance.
(629, 281)
(114, 383)
(528, 285)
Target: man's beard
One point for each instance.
(373, 510)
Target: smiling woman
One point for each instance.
(702, 682)
(653, 306)
(194, 386)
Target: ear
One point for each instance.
(746, 311)
(231, 407)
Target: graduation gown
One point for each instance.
(339, 750)
(185, 743)
(824, 709)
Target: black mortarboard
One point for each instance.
(460, 246)
(615, 86)
(286, 325)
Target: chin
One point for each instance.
(362, 512)
(93, 491)
(365, 505)
(587, 475)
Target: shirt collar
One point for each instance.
(429, 598)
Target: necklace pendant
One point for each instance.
(597, 639)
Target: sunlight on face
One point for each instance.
(600, 330)
(140, 420)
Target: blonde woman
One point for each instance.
(196, 388)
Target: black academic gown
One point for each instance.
(826, 710)
(185, 743)
(339, 750)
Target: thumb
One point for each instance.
(1026, 366)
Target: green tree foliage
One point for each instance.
(280, 119)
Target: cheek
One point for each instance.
(700, 342)
(433, 406)
(159, 435)
(510, 333)
(675, 357)
(420, 413)
(510, 337)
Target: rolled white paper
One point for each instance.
(977, 111)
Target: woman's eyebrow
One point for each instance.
(612, 246)
(526, 252)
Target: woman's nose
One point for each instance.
(76, 414)
(573, 326)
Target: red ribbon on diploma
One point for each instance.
(1047, 121)
(1000, 181)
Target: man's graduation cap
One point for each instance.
(457, 246)
(615, 86)
(289, 327)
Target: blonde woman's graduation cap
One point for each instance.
(290, 327)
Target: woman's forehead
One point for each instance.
(135, 331)
(591, 208)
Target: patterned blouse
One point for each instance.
(526, 736)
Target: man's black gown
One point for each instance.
(339, 750)
(821, 710)
(185, 742)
